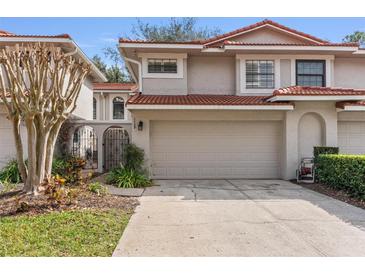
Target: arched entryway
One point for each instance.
(115, 139)
(310, 133)
(84, 145)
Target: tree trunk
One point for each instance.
(51, 143)
(19, 149)
(42, 138)
(30, 185)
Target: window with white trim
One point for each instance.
(156, 65)
(118, 108)
(311, 73)
(260, 74)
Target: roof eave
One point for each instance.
(208, 107)
(160, 46)
(351, 108)
(291, 48)
(336, 98)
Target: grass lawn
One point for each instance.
(68, 233)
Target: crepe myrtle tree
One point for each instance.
(40, 85)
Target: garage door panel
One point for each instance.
(215, 149)
(216, 156)
(351, 137)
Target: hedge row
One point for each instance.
(323, 150)
(343, 172)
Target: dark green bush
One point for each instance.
(134, 157)
(132, 173)
(324, 150)
(10, 173)
(343, 172)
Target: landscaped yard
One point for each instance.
(89, 222)
(88, 232)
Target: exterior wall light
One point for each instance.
(140, 126)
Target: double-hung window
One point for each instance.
(310, 73)
(260, 74)
(162, 65)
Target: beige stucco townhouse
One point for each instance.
(246, 104)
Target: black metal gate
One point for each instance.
(115, 139)
(85, 145)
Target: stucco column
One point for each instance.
(331, 136)
(290, 146)
(141, 138)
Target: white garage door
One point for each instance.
(215, 149)
(351, 137)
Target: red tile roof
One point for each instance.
(221, 39)
(352, 44)
(315, 91)
(4, 33)
(343, 104)
(125, 40)
(262, 23)
(226, 100)
(115, 86)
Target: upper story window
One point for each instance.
(310, 73)
(94, 108)
(162, 65)
(118, 108)
(260, 74)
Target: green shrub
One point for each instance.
(98, 188)
(10, 173)
(134, 157)
(323, 150)
(127, 178)
(343, 172)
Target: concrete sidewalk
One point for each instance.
(241, 218)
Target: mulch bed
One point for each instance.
(336, 194)
(16, 203)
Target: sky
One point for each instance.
(95, 34)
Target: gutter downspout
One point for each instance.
(127, 60)
(139, 71)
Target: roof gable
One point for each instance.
(268, 35)
(266, 31)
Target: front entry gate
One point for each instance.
(115, 140)
(84, 146)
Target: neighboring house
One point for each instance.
(83, 110)
(246, 104)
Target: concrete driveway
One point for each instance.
(241, 218)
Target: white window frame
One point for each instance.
(258, 57)
(125, 98)
(179, 61)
